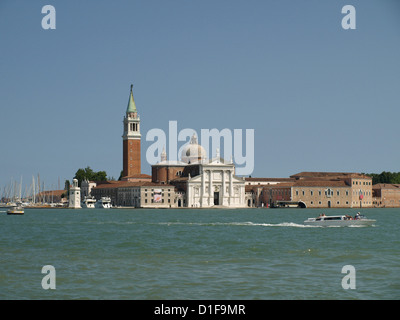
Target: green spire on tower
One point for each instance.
(131, 103)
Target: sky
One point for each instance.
(318, 97)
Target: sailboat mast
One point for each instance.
(33, 185)
(38, 177)
(20, 190)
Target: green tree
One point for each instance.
(385, 177)
(89, 174)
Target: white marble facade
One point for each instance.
(216, 185)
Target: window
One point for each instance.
(338, 193)
(312, 192)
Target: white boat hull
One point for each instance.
(88, 205)
(339, 223)
(16, 211)
(103, 203)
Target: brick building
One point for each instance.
(386, 195)
(320, 190)
(131, 141)
(142, 194)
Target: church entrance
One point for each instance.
(216, 198)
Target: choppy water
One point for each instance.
(196, 254)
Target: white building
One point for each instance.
(216, 185)
(205, 182)
(75, 195)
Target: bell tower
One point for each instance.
(131, 140)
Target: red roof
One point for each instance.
(330, 175)
(127, 184)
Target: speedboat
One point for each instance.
(104, 203)
(88, 202)
(339, 221)
(16, 210)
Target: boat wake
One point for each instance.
(282, 224)
(251, 224)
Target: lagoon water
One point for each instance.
(197, 254)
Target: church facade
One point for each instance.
(215, 185)
(204, 182)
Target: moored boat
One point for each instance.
(339, 221)
(104, 203)
(16, 210)
(88, 202)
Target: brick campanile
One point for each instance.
(131, 140)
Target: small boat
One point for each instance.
(16, 210)
(88, 202)
(103, 203)
(339, 221)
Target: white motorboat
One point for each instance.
(339, 221)
(16, 210)
(88, 202)
(103, 203)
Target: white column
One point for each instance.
(210, 190)
(230, 186)
(223, 187)
(203, 188)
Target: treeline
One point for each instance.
(385, 177)
(89, 174)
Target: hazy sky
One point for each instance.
(320, 98)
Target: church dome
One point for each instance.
(193, 152)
